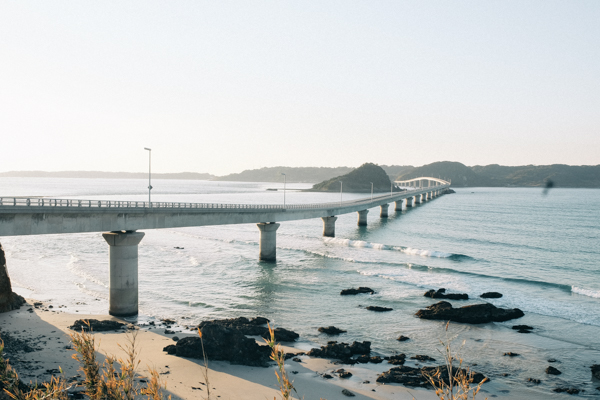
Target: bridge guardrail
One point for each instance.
(77, 204)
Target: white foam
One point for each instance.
(379, 246)
(586, 292)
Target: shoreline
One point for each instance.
(45, 330)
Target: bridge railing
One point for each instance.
(95, 204)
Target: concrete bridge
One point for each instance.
(120, 220)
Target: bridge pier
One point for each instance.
(362, 217)
(329, 226)
(123, 272)
(418, 199)
(268, 241)
(409, 202)
(398, 206)
(384, 210)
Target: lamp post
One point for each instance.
(391, 189)
(284, 182)
(149, 176)
(371, 191)
(341, 191)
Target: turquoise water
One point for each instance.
(541, 252)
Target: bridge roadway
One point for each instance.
(120, 220)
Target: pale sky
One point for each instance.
(223, 86)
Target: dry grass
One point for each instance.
(112, 380)
(460, 385)
(286, 387)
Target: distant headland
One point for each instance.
(494, 175)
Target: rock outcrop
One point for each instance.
(417, 377)
(441, 294)
(331, 330)
(473, 314)
(9, 300)
(253, 327)
(341, 351)
(360, 290)
(595, 371)
(379, 309)
(491, 295)
(222, 343)
(95, 325)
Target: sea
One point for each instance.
(540, 250)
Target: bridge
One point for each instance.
(121, 220)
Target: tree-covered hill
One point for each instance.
(358, 180)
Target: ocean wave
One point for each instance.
(586, 292)
(406, 250)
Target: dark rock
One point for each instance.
(341, 351)
(378, 309)
(297, 359)
(534, 381)
(331, 330)
(170, 349)
(175, 338)
(552, 360)
(417, 377)
(282, 335)
(511, 354)
(491, 295)
(253, 327)
(376, 360)
(9, 300)
(342, 373)
(566, 390)
(402, 338)
(360, 290)
(441, 294)
(226, 344)
(473, 314)
(422, 357)
(363, 359)
(169, 332)
(397, 359)
(522, 328)
(168, 321)
(596, 371)
(96, 326)
(348, 393)
(327, 376)
(552, 371)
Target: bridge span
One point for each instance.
(121, 220)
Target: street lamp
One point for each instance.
(284, 182)
(341, 191)
(391, 189)
(371, 191)
(149, 176)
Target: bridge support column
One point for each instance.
(418, 199)
(384, 210)
(268, 241)
(398, 206)
(409, 201)
(362, 217)
(123, 272)
(423, 198)
(329, 226)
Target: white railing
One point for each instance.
(9, 202)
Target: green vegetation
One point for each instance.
(573, 176)
(358, 181)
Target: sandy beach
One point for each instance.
(46, 332)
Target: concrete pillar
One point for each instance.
(409, 201)
(268, 241)
(123, 272)
(384, 210)
(398, 206)
(329, 226)
(418, 199)
(427, 196)
(362, 217)
(423, 198)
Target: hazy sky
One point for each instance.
(224, 86)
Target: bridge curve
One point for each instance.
(420, 180)
(120, 220)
